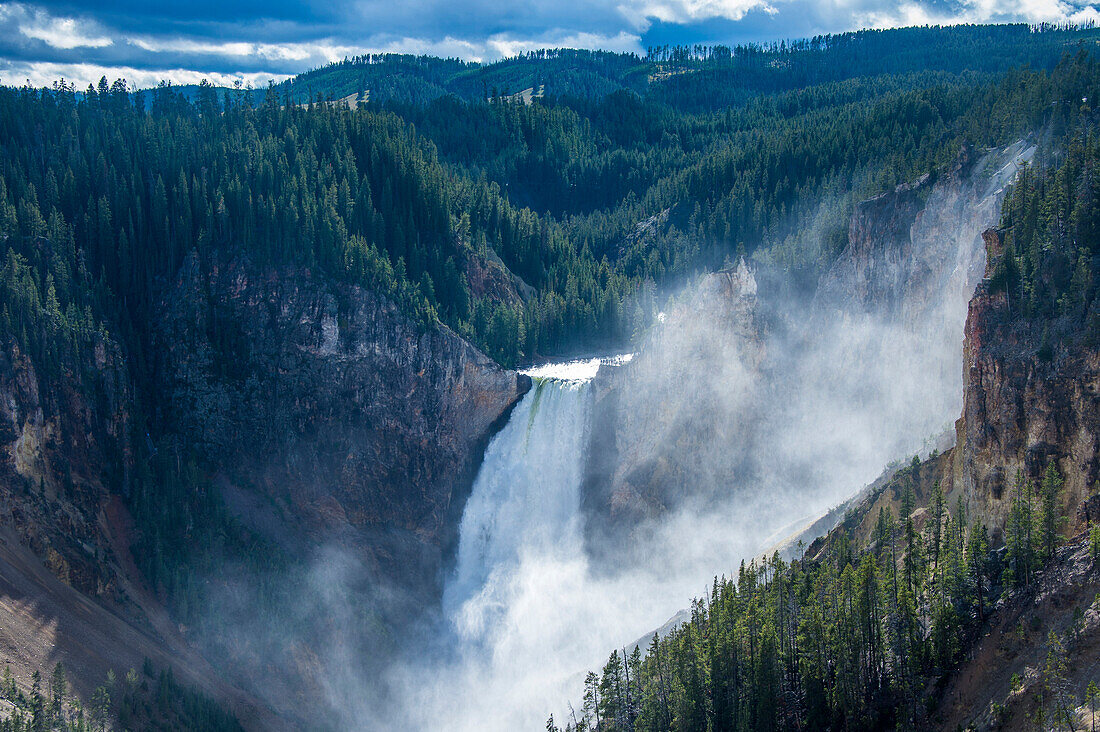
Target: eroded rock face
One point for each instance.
(350, 420)
(681, 412)
(872, 272)
(337, 429)
(64, 445)
(490, 278)
(1026, 402)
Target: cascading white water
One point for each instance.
(526, 498)
(528, 613)
(520, 601)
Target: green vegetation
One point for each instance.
(847, 638)
(147, 701)
(1052, 240)
(401, 197)
(691, 78)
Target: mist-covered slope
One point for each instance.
(959, 590)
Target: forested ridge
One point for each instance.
(399, 197)
(690, 78)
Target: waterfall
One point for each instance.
(525, 503)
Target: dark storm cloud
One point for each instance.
(259, 40)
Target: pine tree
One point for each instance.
(10, 691)
(592, 699)
(977, 557)
(58, 688)
(1092, 698)
(1050, 516)
(935, 523)
(1056, 685)
(612, 706)
(1020, 550)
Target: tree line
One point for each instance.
(149, 699)
(849, 637)
(594, 202)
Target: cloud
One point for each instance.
(56, 32)
(45, 73)
(61, 32)
(273, 39)
(691, 11)
(503, 46)
(887, 15)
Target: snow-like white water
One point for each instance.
(526, 499)
(579, 370)
(520, 590)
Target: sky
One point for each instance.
(254, 41)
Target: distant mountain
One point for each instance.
(692, 78)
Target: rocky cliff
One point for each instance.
(331, 425)
(680, 413)
(347, 417)
(1031, 395)
(1029, 399)
(60, 435)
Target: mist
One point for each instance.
(744, 415)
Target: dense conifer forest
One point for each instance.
(851, 636)
(149, 700)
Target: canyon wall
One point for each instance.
(1030, 396)
(329, 423)
(347, 418)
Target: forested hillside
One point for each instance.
(867, 627)
(857, 634)
(169, 252)
(584, 199)
(689, 78)
(103, 195)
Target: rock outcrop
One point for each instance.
(348, 417)
(335, 428)
(66, 445)
(1030, 396)
(679, 414)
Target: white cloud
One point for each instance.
(322, 51)
(494, 47)
(502, 46)
(1087, 14)
(691, 11)
(908, 13)
(41, 74)
(63, 33)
